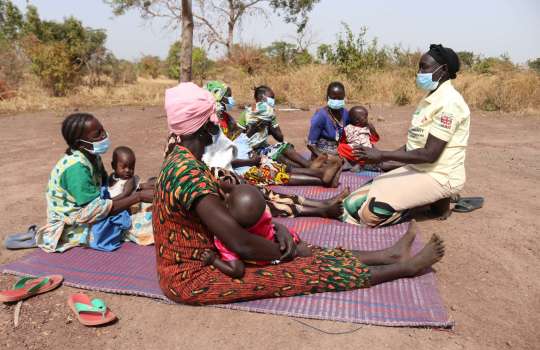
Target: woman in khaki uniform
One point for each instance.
(434, 153)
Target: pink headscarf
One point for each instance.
(188, 108)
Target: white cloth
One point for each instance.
(119, 185)
(244, 149)
(221, 153)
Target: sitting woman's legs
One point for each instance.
(393, 262)
(308, 176)
(389, 197)
(291, 154)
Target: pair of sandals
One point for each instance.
(467, 204)
(89, 312)
(23, 240)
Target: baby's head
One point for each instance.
(246, 205)
(123, 162)
(358, 115)
(264, 93)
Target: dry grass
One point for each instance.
(509, 91)
(31, 97)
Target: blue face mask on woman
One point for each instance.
(230, 103)
(99, 147)
(336, 104)
(271, 102)
(425, 81)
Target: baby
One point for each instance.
(122, 182)
(248, 207)
(359, 132)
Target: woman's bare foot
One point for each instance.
(319, 161)
(401, 251)
(334, 211)
(432, 253)
(340, 197)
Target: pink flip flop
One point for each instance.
(90, 312)
(27, 287)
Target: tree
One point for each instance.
(220, 18)
(217, 18)
(178, 13)
(186, 54)
(61, 53)
(150, 66)
(200, 62)
(284, 53)
(353, 54)
(467, 58)
(11, 20)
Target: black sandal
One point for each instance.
(468, 204)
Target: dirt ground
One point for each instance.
(489, 278)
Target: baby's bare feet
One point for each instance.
(302, 249)
(208, 257)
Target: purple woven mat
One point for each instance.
(131, 270)
(352, 180)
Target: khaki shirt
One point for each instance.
(445, 115)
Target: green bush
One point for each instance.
(353, 54)
(534, 64)
(60, 53)
(53, 64)
(286, 54)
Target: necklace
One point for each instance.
(336, 120)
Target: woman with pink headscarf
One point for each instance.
(189, 212)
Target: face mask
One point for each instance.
(99, 147)
(271, 102)
(230, 103)
(425, 81)
(336, 104)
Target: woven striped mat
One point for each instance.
(347, 179)
(131, 270)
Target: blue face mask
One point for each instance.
(230, 103)
(425, 81)
(99, 147)
(271, 102)
(336, 104)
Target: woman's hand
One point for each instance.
(146, 196)
(367, 154)
(286, 242)
(256, 160)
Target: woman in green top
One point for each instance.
(73, 194)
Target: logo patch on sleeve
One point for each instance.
(446, 121)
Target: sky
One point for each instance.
(487, 27)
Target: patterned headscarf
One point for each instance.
(218, 89)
